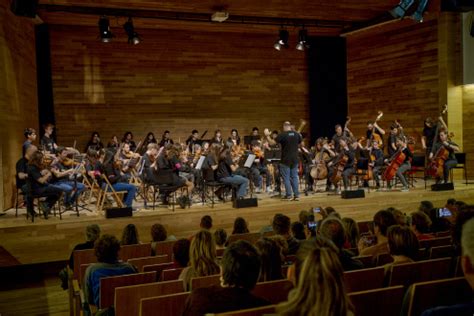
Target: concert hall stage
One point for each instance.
(52, 239)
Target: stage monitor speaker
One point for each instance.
(442, 187)
(24, 7)
(241, 203)
(114, 212)
(353, 194)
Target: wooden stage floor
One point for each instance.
(52, 239)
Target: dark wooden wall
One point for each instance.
(173, 80)
(394, 70)
(18, 102)
(468, 128)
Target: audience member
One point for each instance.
(158, 234)
(426, 207)
(377, 244)
(420, 225)
(439, 224)
(403, 246)
(281, 226)
(130, 235)
(320, 288)
(332, 228)
(352, 231)
(202, 257)
(220, 237)
(282, 244)
(240, 268)
(467, 264)
(181, 253)
(297, 229)
(206, 222)
(400, 218)
(107, 250)
(465, 214)
(303, 216)
(240, 226)
(270, 259)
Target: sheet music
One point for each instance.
(249, 162)
(200, 162)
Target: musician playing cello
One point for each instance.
(406, 164)
(451, 162)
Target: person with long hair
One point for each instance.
(403, 246)
(352, 231)
(320, 289)
(234, 137)
(240, 226)
(270, 269)
(202, 258)
(130, 235)
(94, 142)
(128, 139)
(225, 174)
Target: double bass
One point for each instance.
(341, 160)
(375, 136)
(436, 166)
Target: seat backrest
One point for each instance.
(441, 252)
(205, 281)
(418, 161)
(408, 273)
(135, 251)
(384, 301)
(425, 295)
(127, 298)
(82, 273)
(257, 311)
(165, 248)
(108, 285)
(165, 305)
(367, 261)
(171, 274)
(273, 291)
(145, 261)
(250, 237)
(382, 259)
(434, 242)
(208, 175)
(82, 257)
(365, 279)
(365, 227)
(157, 268)
(461, 158)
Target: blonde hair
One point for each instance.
(320, 289)
(202, 254)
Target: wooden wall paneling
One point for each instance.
(468, 127)
(18, 102)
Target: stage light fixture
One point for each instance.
(302, 40)
(282, 41)
(104, 29)
(133, 37)
(401, 9)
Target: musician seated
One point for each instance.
(64, 177)
(38, 186)
(128, 139)
(258, 168)
(128, 160)
(226, 168)
(451, 161)
(347, 149)
(94, 142)
(376, 162)
(405, 165)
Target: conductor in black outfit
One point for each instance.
(289, 141)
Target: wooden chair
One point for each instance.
(385, 301)
(108, 190)
(425, 295)
(273, 291)
(367, 261)
(427, 270)
(135, 251)
(383, 259)
(205, 281)
(127, 298)
(82, 272)
(365, 279)
(171, 274)
(165, 248)
(446, 233)
(157, 268)
(435, 242)
(145, 261)
(165, 305)
(441, 252)
(250, 237)
(108, 285)
(82, 257)
(257, 311)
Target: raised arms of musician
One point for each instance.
(381, 130)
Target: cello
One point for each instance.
(320, 171)
(436, 166)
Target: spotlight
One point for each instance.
(302, 40)
(133, 37)
(282, 40)
(104, 28)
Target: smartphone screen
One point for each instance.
(444, 212)
(316, 210)
(312, 225)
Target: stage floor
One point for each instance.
(53, 239)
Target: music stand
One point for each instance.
(200, 162)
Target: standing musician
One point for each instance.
(374, 129)
(289, 141)
(305, 158)
(47, 142)
(451, 161)
(406, 165)
(255, 134)
(30, 135)
(94, 142)
(376, 162)
(392, 140)
(63, 171)
(217, 138)
(150, 138)
(166, 139)
(225, 173)
(340, 133)
(128, 139)
(192, 139)
(234, 137)
(429, 133)
(38, 177)
(347, 148)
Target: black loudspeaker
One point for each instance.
(442, 187)
(24, 7)
(114, 212)
(353, 194)
(241, 203)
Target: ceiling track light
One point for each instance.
(133, 37)
(104, 29)
(282, 41)
(302, 40)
